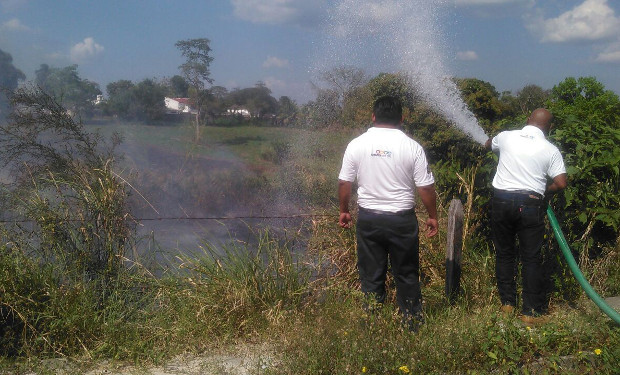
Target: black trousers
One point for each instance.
(519, 216)
(394, 238)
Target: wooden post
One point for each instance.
(454, 249)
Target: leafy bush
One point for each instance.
(587, 119)
(71, 230)
(63, 183)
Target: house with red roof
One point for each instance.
(178, 105)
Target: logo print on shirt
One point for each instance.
(382, 154)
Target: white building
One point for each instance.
(238, 111)
(178, 105)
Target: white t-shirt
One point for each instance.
(388, 165)
(526, 159)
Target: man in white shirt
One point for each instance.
(529, 168)
(389, 167)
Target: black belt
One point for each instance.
(393, 213)
(529, 193)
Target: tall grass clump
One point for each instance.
(231, 292)
(66, 228)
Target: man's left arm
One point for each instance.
(559, 183)
(429, 199)
(558, 170)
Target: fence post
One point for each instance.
(454, 249)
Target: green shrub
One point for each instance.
(67, 245)
(587, 122)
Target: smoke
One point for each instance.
(185, 198)
(403, 36)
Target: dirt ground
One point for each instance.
(241, 360)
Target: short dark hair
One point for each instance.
(388, 110)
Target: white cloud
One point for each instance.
(490, 2)
(14, 25)
(278, 11)
(275, 62)
(467, 55)
(591, 21)
(85, 50)
(610, 55)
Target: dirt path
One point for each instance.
(217, 364)
(241, 360)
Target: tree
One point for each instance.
(149, 98)
(41, 75)
(257, 100)
(196, 71)
(510, 103)
(287, 111)
(219, 92)
(357, 106)
(587, 131)
(179, 87)
(481, 98)
(9, 78)
(216, 102)
(392, 84)
(120, 99)
(143, 101)
(324, 110)
(344, 80)
(67, 87)
(531, 97)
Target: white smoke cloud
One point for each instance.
(13, 25)
(275, 62)
(275, 12)
(467, 56)
(85, 50)
(593, 20)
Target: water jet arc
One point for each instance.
(559, 236)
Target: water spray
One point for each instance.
(402, 36)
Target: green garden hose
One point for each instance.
(559, 236)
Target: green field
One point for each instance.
(305, 307)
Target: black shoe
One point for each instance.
(412, 323)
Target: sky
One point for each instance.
(508, 43)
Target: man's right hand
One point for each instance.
(345, 220)
(432, 227)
